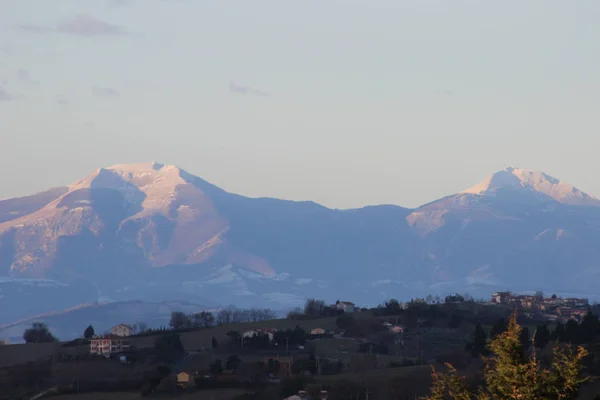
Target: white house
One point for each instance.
(345, 306)
(249, 334)
(106, 345)
(122, 330)
(317, 331)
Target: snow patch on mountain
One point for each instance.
(535, 181)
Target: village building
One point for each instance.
(317, 331)
(501, 297)
(553, 308)
(396, 329)
(285, 366)
(345, 306)
(576, 303)
(122, 330)
(257, 332)
(185, 379)
(109, 344)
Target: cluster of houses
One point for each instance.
(550, 308)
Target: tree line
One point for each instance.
(205, 319)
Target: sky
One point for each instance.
(343, 102)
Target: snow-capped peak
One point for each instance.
(535, 181)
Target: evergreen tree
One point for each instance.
(590, 327)
(524, 338)
(479, 341)
(541, 336)
(510, 374)
(498, 328)
(89, 332)
(558, 334)
(573, 333)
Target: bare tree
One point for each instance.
(314, 307)
(268, 314)
(225, 317)
(141, 327)
(203, 319)
(179, 320)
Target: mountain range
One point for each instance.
(154, 233)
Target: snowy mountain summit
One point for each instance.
(534, 181)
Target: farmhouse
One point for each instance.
(122, 330)
(345, 306)
(109, 344)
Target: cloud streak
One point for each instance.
(80, 25)
(106, 92)
(32, 28)
(247, 90)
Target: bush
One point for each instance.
(345, 321)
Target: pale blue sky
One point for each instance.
(349, 102)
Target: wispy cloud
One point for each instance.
(241, 89)
(5, 95)
(24, 76)
(80, 25)
(60, 99)
(106, 92)
(33, 28)
(118, 3)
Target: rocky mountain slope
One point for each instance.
(154, 232)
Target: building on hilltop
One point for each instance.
(576, 303)
(122, 330)
(501, 297)
(345, 306)
(109, 344)
(523, 301)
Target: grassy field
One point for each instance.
(220, 394)
(23, 353)
(203, 338)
